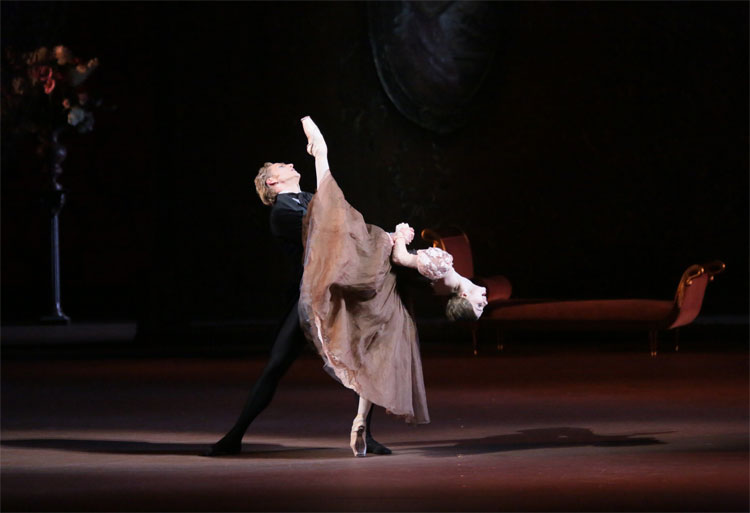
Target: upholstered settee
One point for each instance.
(647, 315)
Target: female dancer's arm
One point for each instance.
(437, 265)
(444, 284)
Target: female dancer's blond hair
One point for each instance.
(460, 309)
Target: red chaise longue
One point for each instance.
(649, 315)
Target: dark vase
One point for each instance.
(54, 154)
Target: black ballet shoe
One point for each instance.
(375, 447)
(224, 448)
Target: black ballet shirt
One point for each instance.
(286, 227)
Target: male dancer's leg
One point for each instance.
(286, 348)
(373, 446)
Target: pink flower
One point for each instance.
(49, 85)
(66, 103)
(39, 74)
(44, 74)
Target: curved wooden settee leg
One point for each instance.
(653, 341)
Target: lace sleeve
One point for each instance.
(434, 263)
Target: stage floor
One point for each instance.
(552, 431)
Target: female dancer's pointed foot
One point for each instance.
(224, 447)
(316, 144)
(375, 447)
(358, 437)
(358, 443)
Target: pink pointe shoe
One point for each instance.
(357, 440)
(316, 145)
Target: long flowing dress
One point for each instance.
(350, 309)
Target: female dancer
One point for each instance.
(350, 309)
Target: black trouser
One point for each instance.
(286, 348)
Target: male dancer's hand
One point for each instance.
(405, 231)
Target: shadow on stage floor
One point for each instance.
(547, 438)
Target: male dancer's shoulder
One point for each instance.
(308, 196)
(286, 217)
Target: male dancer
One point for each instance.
(277, 185)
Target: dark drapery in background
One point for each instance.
(607, 151)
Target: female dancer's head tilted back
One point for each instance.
(459, 308)
(468, 301)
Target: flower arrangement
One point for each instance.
(43, 91)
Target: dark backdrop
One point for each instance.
(606, 151)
